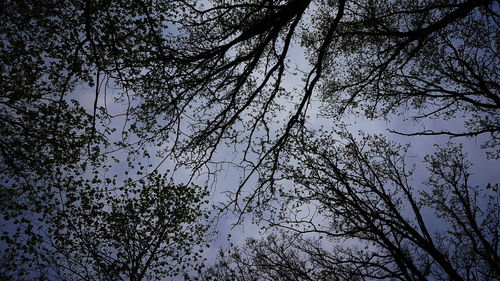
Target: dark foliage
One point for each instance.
(193, 78)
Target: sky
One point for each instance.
(484, 170)
(228, 178)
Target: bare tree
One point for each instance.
(377, 222)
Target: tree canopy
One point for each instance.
(190, 77)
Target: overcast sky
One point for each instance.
(484, 170)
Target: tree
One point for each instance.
(193, 78)
(148, 229)
(441, 63)
(378, 223)
(198, 77)
(421, 59)
(59, 199)
(151, 231)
